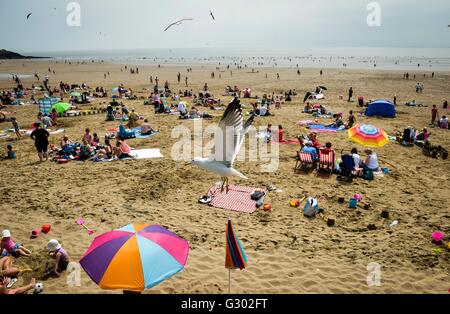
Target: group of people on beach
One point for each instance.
(9, 273)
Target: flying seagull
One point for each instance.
(177, 23)
(212, 15)
(228, 140)
(29, 14)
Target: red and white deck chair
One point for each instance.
(326, 159)
(305, 161)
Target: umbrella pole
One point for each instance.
(229, 281)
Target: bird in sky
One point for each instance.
(177, 23)
(227, 144)
(212, 15)
(29, 14)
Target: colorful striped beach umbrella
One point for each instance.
(368, 135)
(135, 257)
(234, 253)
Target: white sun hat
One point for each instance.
(53, 245)
(6, 234)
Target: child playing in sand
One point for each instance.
(16, 127)
(11, 247)
(95, 140)
(60, 255)
(10, 154)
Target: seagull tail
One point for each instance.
(238, 174)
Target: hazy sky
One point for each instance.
(136, 24)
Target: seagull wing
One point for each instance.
(170, 26)
(212, 15)
(29, 14)
(323, 87)
(307, 95)
(230, 133)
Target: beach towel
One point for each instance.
(287, 142)
(138, 154)
(237, 199)
(139, 135)
(146, 153)
(319, 128)
(304, 122)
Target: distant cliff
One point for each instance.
(5, 54)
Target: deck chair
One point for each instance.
(326, 159)
(304, 160)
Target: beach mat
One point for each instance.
(237, 199)
(139, 135)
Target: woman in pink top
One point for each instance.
(122, 150)
(11, 247)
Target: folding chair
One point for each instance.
(326, 159)
(304, 160)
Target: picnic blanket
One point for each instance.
(237, 199)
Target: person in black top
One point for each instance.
(40, 137)
(350, 94)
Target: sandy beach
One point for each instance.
(287, 252)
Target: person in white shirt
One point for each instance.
(182, 108)
(371, 162)
(356, 158)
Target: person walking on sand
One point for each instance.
(16, 127)
(434, 114)
(186, 81)
(40, 137)
(350, 94)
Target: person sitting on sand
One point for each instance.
(371, 162)
(443, 122)
(60, 255)
(65, 141)
(109, 150)
(310, 149)
(95, 140)
(110, 113)
(22, 290)
(12, 247)
(47, 121)
(133, 119)
(146, 129)
(6, 268)
(422, 137)
(337, 122)
(312, 137)
(10, 154)
(193, 113)
(122, 150)
(308, 108)
(356, 158)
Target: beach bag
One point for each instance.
(368, 175)
(311, 207)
